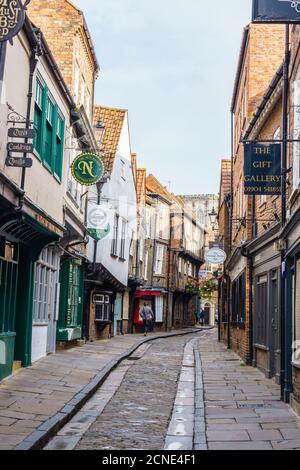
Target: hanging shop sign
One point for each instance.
(276, 11)
(18, 147)
(215, 256)
(262, 169)
(88, 169)
(98, 223)
(12, 17)
(21, 133)
(19, 162)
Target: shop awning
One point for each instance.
(149, 293)
(21, 228)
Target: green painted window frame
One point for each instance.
(50, 130)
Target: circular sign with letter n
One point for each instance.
(88, 169)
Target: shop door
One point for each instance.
(118, 314)
(45, 304)
(274, 327)
(207, 314)
(8, 293)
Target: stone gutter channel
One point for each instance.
(187, 429)
(41, 436)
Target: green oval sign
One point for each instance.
(88, 169)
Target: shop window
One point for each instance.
(123, 239)
(261, 310)
(158, 270)
(159, 309)
(239, 300)
(49, 125)
(8, 284)
(45, 286)
(114, 245)
(102, 307)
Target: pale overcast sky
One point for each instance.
(172, 64)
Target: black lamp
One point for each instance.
(213, 216)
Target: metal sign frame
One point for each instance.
(280, 19)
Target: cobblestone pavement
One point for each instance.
(138, 415)
(35, 395)
(242, 408)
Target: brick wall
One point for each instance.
(264, 54)
(63, 27)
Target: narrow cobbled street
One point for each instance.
(153, 401)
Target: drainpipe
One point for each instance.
(32, 67)
(230, 234)
(286, 343)
(3, 49)
(169, 273)
(99, 191)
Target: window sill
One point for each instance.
(122, 259)
(296, 364)
(114, 256)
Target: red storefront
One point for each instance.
(156, 299)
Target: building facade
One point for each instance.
(260, 58)
(201, 206)
(33, 224)
(109, 257)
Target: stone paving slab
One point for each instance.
(243, 410)
(54, 388)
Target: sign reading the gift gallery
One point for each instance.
(12, 17)
(276, 11)
(262, 169)
(88, 169)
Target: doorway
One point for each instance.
(274, 343)
(207, 312)
(45, 303)
(118, 314)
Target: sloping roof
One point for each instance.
(239, 67)
(140, 184)
(134, 166)
(113, 120)
(226, 175)
(225, 183)
(155, 187)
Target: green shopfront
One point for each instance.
(71, 300)
(22, 238)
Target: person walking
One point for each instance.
(147, 316)
(202, 317)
